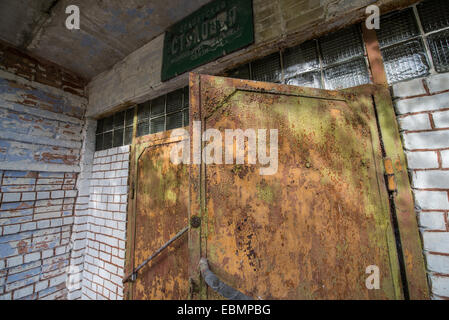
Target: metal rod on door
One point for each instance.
(133, 276)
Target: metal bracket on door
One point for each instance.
(133, 275)
(219, 286)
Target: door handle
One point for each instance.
(219, 286)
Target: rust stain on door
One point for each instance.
(310, 230)
(161, 212)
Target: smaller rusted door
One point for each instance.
(158, 212)
(311, 229)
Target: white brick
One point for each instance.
(57, 194)
(409, 88)
(112, 151)
(437, 263)
(32, 257)
(432, 220)
(427, 140)
(441, 119)
(57, 280)
(440, 285)
(429, 103)
(415, 122)
(28, 226)
(445, 158)
(436, 241)
(434, 179)
(14, 261)
(24, 292)
(123, 149)
(438, 82)
(43, 195)
(27, 196)
(432, 200)
(11, 197)
(422, 160)
(11, 229)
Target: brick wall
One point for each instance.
(104, 260)
(42, 110)
(422, 107)
(36, 218)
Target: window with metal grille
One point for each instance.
(166, 112)
(114, 131)
(415, 40)
(335, 61)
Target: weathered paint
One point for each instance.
(311, 230)
(415, 275)
(161, 211)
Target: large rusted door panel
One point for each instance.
(311, 230)
(161, 211)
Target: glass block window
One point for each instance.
(341, 45)
(335, 61)
(302, 65)
(114, 131)
(434, 14)
(439, 48)
(166, 112)
(345, 75)
(415, 40)
(267, 69)
(402, 48)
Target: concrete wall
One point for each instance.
(422, 106)
(278, 24)
(42, 109)
(104, 260)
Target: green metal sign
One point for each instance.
(215, 30)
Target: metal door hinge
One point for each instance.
(389, 174)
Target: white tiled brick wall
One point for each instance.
(104, 259)
(422, 106)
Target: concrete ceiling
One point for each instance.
(110, 29)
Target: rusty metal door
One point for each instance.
(158, 210)
(312, 229)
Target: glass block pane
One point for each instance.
(396, 27)
(174, 121)
(143, 128)
(108, 124)
(143, 111)
(434, 14)
(158, 106)
(186, 118)
(311, 80)
(99, 142)
(157, 125)
(346, 75)
(118, 138)
(119, 120)
(174, 101)
(267, 69)
(301, 59)
(186, 97)
(107, 140)
(405, 61)
(100, 125)
(341, 45)
(129, 117)
(241, 72)
(128, 135)
(439, 48)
